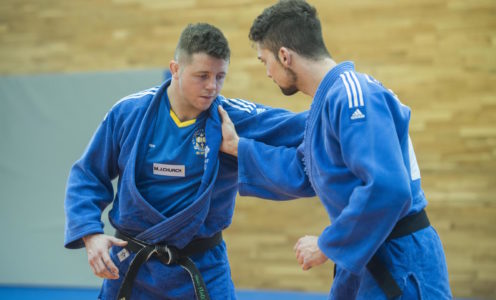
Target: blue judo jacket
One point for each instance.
(117, 148)
(359, 159)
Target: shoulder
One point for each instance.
(133, 103)
(240, 109)
(141, 98)
(358, 98)
(353, 90)
(237, 105)
(346, 100)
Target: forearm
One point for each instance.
(271, 172)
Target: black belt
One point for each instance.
(378, 268)
(168, 255)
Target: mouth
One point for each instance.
(208, 98)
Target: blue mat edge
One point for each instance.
(40, 292)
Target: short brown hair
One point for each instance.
(203, 38)
(293, 24)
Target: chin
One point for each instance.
(204, 104)
(289, 90)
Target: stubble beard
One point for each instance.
(291, 89)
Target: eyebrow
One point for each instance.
(207, 72)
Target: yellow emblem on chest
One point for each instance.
(199, 141)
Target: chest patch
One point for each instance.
(199, 141)
(169, 170)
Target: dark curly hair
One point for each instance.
(293, 24)
(203, 38)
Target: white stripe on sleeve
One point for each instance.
(236, 106)
(151, 91)
(350, 105)
(353, 89)
(359, 88)
(244, 103)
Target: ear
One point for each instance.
(284, 56)
(174, 68)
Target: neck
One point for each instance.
(183, 110)
(311, 72)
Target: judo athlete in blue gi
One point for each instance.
(360, 161)
(175, 191)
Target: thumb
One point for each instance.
(223, 114)
(118, 242)
(306, 265)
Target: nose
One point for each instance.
(268, 74)
(212, 83)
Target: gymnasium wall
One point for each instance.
(438, 56)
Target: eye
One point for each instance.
(221, 77)
(202, 76)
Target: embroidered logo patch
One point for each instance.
(169, 170)
(123, 254)
(199, 141)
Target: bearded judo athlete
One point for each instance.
(359, 158)
(175, 191)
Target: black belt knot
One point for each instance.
(168, 255)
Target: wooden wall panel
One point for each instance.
(437, 55)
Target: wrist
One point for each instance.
(235, 147)
(88, 237)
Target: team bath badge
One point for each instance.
(199, 141)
